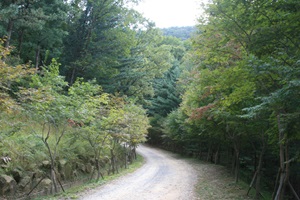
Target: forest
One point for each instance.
(183, 33)
(84, 82)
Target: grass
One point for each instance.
(215, 182)
(76, 191)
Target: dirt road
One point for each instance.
(164, 176)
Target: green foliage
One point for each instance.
(11, 76)
(34, 28)
(233, 86)
(55, 123)
(166, 95)
(241, 85)
(182, 33)
(150, 58)
(98, 37)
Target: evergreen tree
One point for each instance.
(166, 96)
(98, 36)
(34, 28)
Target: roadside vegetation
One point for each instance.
(85, 188)
(50, 135)
(240, 95)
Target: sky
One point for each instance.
(168, 13)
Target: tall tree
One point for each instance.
(98, 36)
(150, 58)
(35, 28)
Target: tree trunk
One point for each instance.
(20, 41)
(252, 182)
(9, 32)
(217, 155)
(72, 76)
(99, 174)
(259, 168)
(237, 167)
(53, 179)
(127, 156)
(112, 161)
(208, 153)
(294, 192)
(37, 57)
(283, 155)
(237, 161)
(134, 153)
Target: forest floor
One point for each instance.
(215, 182)
(168, 176)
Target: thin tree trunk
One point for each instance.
(280, 190)
(20, 40)
(72, 76)
(92, 174)
(286, 168)
(61, 186)
(237, 161)
(293, 191)
(252, 182)
(112, 161)
(216, 156)
(134, 153)
(126, 156)
(37, 57)
(276, 182)
(9, 32)
(237, 167)
(35, 186)
(259, 168)
(208, 153)
(53, 179)
(283, 155)
(99, 174)
(233, 161)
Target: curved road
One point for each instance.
(164, 176)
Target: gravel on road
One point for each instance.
(164, 176)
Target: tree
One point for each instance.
(35, 28)
(182, 33)
(246, 62)
(10, 78)
(262, 29)
(149, 58)
(46, 105)
(166, 93)
(98, 37)
(88, 105)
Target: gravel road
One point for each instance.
(164, 176)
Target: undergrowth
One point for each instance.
(80, 190)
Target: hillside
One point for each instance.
(183, 33)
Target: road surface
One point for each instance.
(164, 176)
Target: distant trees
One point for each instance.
(166, 96)
(182, 33)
